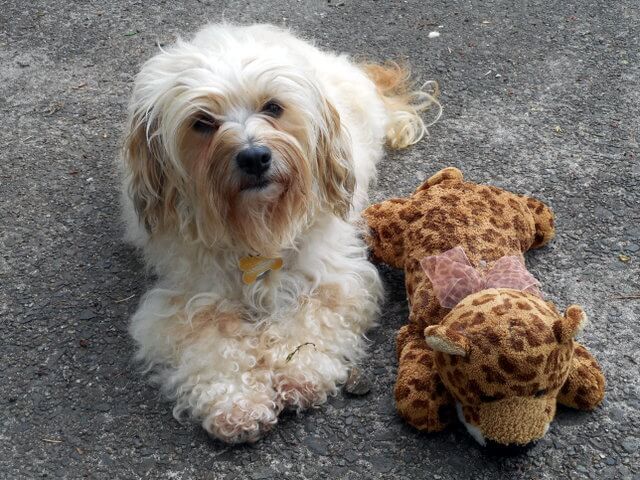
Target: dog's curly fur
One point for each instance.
(219, 348)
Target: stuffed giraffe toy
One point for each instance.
(481, 340)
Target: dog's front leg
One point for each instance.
(318, 343)
(207, 358)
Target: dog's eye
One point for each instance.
(272, 109)
(204, 125)
(540, 393)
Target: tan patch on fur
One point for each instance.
(153, 187)
(330, 295)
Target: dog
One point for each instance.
(247, 157)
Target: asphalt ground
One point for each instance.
(540, 97)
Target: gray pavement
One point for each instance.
(540, 97)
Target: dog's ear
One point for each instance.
(335, 162)
(144, 161)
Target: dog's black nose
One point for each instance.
(254, 160)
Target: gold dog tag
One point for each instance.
(253, 267)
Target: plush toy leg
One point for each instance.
(544, 220)
(449, 173)
(385, 241)
(424, 306)
(584, 388)
(421, 397)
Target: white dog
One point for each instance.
(248, 155)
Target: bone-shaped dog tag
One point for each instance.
(254, 267)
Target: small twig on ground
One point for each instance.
(124, 299)
(290, 356)
(633, 296)
(51, 440)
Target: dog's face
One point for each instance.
(235, 145)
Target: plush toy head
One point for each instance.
(504, 355)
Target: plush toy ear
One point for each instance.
(442, 339)
(571, 325)
(449, 173)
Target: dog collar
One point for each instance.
(253, 267)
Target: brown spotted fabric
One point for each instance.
(505, 356)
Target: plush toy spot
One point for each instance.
(518, 390)
(420, 403)
(506, 364)
(491, 337)
(532, 339)
(557, 330)
(525, 376)
(402, 392)
(492, 375)
(426, 360)
(582, 352)
(474, 387)
(418, 383)
(483, 299)
(478, 318)
(517, 344)
(410, 215)
(535, 360)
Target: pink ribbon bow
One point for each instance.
(454, 278)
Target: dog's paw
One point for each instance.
(298, 393)
(242, 421)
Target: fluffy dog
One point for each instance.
(250, 151)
